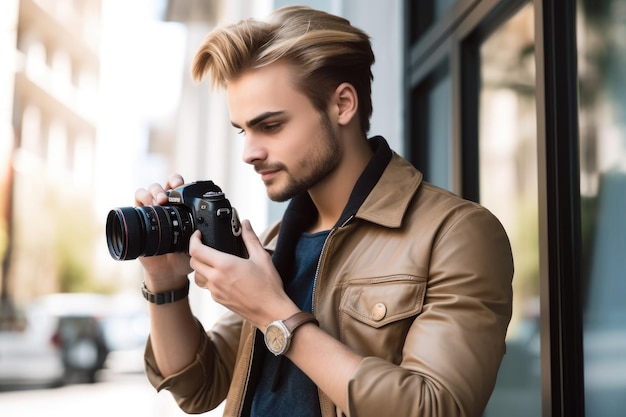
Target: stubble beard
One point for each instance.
(318, 165)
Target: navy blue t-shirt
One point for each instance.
(282, 388)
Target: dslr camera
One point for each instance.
(132, 232)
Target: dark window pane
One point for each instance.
(602, 63)
(423, 14)
(431, 149)
(508, 186)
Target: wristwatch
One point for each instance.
(278, 333)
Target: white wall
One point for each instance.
(382, 20)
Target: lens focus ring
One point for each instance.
(148, 231)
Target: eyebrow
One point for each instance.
(259, 118)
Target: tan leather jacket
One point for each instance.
(415, 279)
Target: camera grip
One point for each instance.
(221, 229)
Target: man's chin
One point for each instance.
(278, 198)
(279, 194)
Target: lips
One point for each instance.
(267, 172)
(267, 175)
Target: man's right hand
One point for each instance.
(164, 272)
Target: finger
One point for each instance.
(143, 197)
(194, 241)
(175, 180)
(200, 253)
(195, 244)
(200, 280)
(250, 239)
(158, 193)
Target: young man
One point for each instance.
(396, 295)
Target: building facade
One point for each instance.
(49, 89)
(518, 105)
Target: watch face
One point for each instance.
(275, 339)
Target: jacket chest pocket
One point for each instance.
(377, 314)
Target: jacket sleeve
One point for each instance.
(454, 347)
(204, 383)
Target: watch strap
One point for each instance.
(298, 319)
(164, 297)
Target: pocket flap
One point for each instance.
(379, 303)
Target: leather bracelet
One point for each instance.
(164, 297)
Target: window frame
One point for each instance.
(455, 38)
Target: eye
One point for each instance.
(271, 127)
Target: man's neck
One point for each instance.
(331, 195)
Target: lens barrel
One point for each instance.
(148, 231)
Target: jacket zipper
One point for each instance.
(317, 270)
(319, 261)
(319, 266)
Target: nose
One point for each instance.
(253, 150)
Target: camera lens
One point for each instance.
(148, 231)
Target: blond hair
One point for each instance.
(325, 50)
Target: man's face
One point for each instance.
(290, 144)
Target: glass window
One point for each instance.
(508, 186)
(431, 122)
(602, 92)
(424, 13)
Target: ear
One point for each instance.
(347, 103)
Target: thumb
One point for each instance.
(250, 239)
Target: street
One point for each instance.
(114, 395)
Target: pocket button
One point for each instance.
(379, 311)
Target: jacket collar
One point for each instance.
(381, 195)
(388, 199)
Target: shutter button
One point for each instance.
(379, 311)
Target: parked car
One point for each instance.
(30, 354)
(71, 337)
(79, 332)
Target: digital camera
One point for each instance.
(132, 232)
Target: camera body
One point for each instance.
(156, 230)
(212, 214)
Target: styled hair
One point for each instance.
(323, 49)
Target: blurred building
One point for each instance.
(52, 70)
